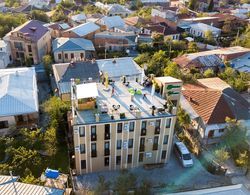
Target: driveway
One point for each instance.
(172, 176)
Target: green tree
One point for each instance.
(47, 61)
(242, 160)
(208, 73)
(142, 58)
(211, 5)
(144, 188)
(221, 155)
(209, 37)
(39, 15)
(173, 70)
(157, 63)
(183, 118)
(192, 47)
(124, 182)
(192, 4)
(102, 185)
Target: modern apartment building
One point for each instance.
(123, 124)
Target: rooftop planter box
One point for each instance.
(86, 105)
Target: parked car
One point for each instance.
(183, 154)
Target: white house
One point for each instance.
(72, 49)
(5, 54)
(40, 4)
(78, 19)
(110, 22)
(18, 99)
(113, 9)
(200, 29)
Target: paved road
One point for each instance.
(173, 174)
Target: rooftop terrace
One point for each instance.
(124, 102)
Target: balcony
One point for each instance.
(93, 137)
(143, 132)
(157, 130)
(142, 148)
(155, 146)
(106, 152)
(93, 153)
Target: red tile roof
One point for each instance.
(209, 104)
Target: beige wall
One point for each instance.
(77, 56)
(11, 123)
(95, 164)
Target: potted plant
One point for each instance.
(122, 115)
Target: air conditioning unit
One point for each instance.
(125, 144)
(150, 140)
(77, 148)
(126, 127)
(76, 131)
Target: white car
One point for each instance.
(183, 154)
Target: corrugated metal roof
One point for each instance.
(113, 21)
(72, 44)
(18, 91)
(84, 29)
(12, 187)
(78, 17)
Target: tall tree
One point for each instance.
(211, 5)
(192, 4)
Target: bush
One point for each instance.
(242, 160)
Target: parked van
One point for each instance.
(183, 154)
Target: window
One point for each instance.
(155, 145)
(119, 144)
(66, 56)
(71, 55)
(107, 131)
(129, 158)
(83, 164)
(93, 150)
(18, 46)
(119, 127)
(143, 124)
(158, 123)
(118, 160)
(141, 157)
(29, 48)
(163, 154)
(4, 124)
(106, 161)
(165, 141)
(168, 122)
(93, 133)
(59, 56)
(142, 144)
(221, 130)
(130, 143)
(131, 126)
(82, 131)
(106, 149)
(81, 55)
(82, 148)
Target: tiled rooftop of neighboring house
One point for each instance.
(72, 44)
(209, 104)
(33, 29)
(134, 20)
(18, 91)
(84, 29)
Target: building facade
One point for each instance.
(31, 41)
(122, 137)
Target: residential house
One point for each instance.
(242, 63)
(56, 29)
(91, 71)
(29, 41)
(208, 103)
(11, 186)
(135, 21)
(114, 9)
(110, 22)
(115, 41)
(40, 4)
(5, 54)
(200, 30)
(86, 30)
(212, 58)
(72, 49)
(116, 127)
(162, 29)
(18, 99)
(156, 2)
(77, 19)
